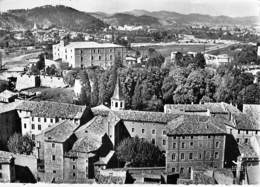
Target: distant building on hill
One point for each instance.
(85, 54)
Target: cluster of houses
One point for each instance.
(77, 144)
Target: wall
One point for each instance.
(53, 168)
(25, 81)
(28, 163)
(6, 174)
(28, 81)
(135, 129)
(52, 82)
(202, 145)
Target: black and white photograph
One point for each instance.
(129, 92)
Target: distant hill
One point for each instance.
(127, 19)
(46, 16)
(167, 18)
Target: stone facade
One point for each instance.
(85, 54)
(185, 152)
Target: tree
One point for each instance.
(20, 144)
(179, 59)
(85, 96)
(168, 89)
(70, 77)
(41, 62)
(139, 153)
(137, 103)
(200, 61)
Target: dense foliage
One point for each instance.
(20, 144)
(139, 153)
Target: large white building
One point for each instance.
(85, 54)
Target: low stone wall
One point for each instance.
(52, 82)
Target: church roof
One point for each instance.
(118, 91)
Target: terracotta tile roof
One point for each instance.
(142, 116)
(244, 122)
(52, 109)
(8, 94)
(212, 107)
(5, 157)
(100, 110)
(191, 124)
(9, 106)
(90, 135)
(247, 151)
(60, 132)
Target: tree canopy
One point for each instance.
(139, 153)
(20, 144)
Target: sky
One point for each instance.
(234, 8)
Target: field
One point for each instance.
(166, 50)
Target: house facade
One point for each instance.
(195, 141)
(38, 116)
(85, 54)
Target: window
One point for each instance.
(33, 137)
(191, 137)
(174, 137)
(74, 167)
(173, 170)
(1, 176)
(183, 137)
(110, 57)
(81, 58)
(39, 119)
(246, 132)
(246, 140)
(53, 145)
(182, 145)
(164, 142)
(45, 120)
(216, 155)
(74, 174)
(153, 131)
(0, 166)
(208, 136)
(200, 156)
(189, 170)
(94, 50)
(99, 57)
(256, 132)
(191, 156)
(237, 140)
(174, 145)
(54, 171)
(33, 126)
(39, 127)
(51, 120)
(116, 104)
(32, 118)
(191, 144)
(92, 57)
(153, 141)
(238, 131)
(121, 104)
(182, 171)
(98, 50)
(133, 129)
(53, 157)
(173, 156)
(182, 156)
(24, 125)
(142, 130)
(217, 144)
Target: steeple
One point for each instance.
(117, 100)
